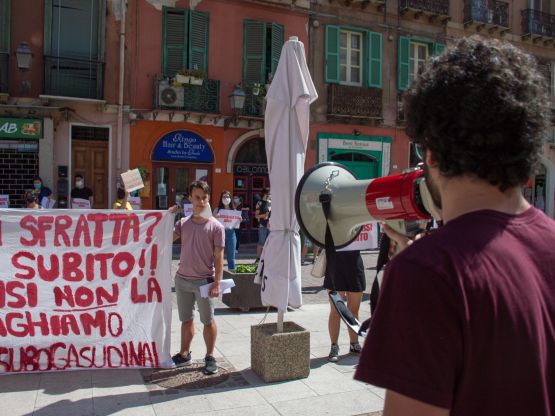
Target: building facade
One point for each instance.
(187, 58)
(364, 54)
(59, 80)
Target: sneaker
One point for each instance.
(355, 348)
(210, 366)
(181, 361)
(334, 353)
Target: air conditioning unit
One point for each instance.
(169, 96)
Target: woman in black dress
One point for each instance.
(346, 277)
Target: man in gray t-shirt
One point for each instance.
(201, 262)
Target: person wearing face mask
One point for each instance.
(262, 214)
(81, 191)
(39, 190)
(238, 201)
(230, 237)
(31, 201)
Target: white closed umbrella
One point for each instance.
(286, 125)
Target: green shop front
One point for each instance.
(366, 156)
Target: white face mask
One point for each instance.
(79, 184)
(226, 201)
(206, 212)
(237, 201)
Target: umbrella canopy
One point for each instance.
(286, 124)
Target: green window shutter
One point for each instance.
(403, 63)
(198, 41)
(4, 25)
(254, 51)
(437, 49)
(175, 22)
(276, 46)
(375, 60)
(331, 69)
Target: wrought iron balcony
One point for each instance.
(73, 77)
(4, 71)
(538, 25)
(203, 98)
(494, 15)
(254, 101)
(431, 8)
(354, 102)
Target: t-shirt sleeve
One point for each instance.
(219, 236)
(414, 345)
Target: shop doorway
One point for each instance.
(362, 165)
(89, 157)
(172, 180)
(250, 177)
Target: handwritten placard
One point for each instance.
(135, 202)
(80, 203)
(229, 218)
(4, 201)
(84, 290)
(132, 180)
(366, 240)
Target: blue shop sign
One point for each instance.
(183, 146)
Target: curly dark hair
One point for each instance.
(481, 108)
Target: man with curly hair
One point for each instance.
(466, 319)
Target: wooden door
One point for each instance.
(90, 159)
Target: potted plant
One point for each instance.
(183, 76)
(246, 294)
(197, 77)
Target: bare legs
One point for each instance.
(334, 321)
(210, 333)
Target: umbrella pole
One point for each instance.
(280, 322)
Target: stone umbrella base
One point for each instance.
(280, 356)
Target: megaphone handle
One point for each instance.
(400, 227)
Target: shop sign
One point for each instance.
(183, 146)
(250, 169)
(20, 128)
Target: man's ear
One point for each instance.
(429, 158)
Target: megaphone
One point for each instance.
(396, 198)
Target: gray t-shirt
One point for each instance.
(198, 242)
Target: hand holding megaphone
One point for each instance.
(394, 199)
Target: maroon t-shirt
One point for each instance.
(466, 318)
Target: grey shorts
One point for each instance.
(187, 293)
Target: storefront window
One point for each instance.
(162, 179)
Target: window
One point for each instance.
(411, 55)
(350, 57)
(353, 57)
(418, 56)
(74, 48)
(262, 43)
(185, 40)
(4, 26)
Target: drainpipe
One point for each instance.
(121, 86)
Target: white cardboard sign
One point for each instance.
(132, 180)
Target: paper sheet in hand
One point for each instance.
(132, 180)
(4, 201)
(47, 203)
(225, 287)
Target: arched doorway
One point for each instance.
(250, 177)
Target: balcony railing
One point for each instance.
(203, 98)
(538, 24)
(254, 104)
(355, 102)
(4, 71)
(431, 7)
(73, 77)
(491, 13)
